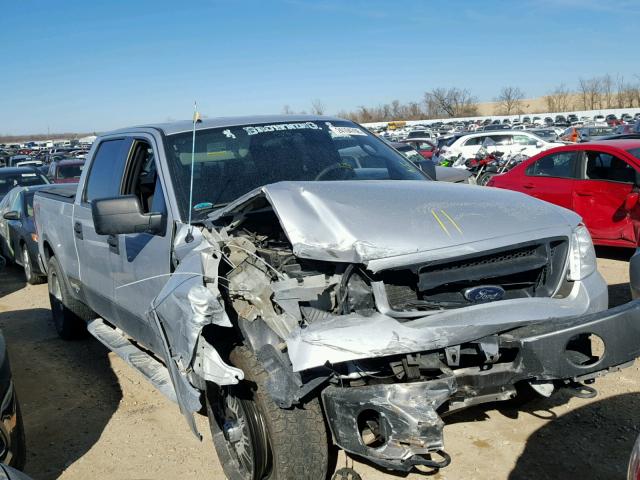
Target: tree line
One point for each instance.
(595, 93)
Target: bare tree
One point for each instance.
(452, 102)
(591, 93)
(286, 110)
(317, 107)
(510, 100)
(606, 86)
(559, 100)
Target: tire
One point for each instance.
(484, 178)
(31, 277)
(69, 315)
(278, 444)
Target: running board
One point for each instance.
(148, 366)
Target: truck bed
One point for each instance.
(64, 192)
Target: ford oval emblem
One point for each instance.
(484, 293)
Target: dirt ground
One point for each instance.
(90, 416)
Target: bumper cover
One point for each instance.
(410, 428)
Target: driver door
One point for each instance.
(143, 265)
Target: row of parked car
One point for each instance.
(399, 130)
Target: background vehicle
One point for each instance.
(11, 425)
(508, 142)
(546, 134)
(435, 172)
(424, 146)
(597, 180)
(19, 177)
(65, 171)
(18, 236)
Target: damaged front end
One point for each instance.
(390, 338)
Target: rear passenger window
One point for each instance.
(561, 165)
(106, 171)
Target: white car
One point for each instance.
(506, 141)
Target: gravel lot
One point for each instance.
(88, 415)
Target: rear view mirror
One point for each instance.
(121, 215)
(631, 201)
(12, 215)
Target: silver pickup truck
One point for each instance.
(324, 292)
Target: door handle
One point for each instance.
(528, 185)
(77, 230)
(584, 194)
(112, 240)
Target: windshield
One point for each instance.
(232, 161)
(69, 171)
(8, 181)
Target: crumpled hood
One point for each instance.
(366, 221)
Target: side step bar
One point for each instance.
(148, 366)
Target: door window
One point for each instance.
(501, 139)
(106, 171)
(425, 146)
(603, 166)
(142, 179)
(561, 165)
(524, 140)
(16, 205)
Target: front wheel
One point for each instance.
(31, 277)
(257, 440)
(485, 177)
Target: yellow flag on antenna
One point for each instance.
(196, 117)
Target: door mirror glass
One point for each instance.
(122, 215)
(12, 215)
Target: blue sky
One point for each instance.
(93, 66)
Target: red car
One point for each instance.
(65, 171)
(598, 180)
(425, 147)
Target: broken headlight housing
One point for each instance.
(582, 255)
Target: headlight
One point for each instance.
(582, 256)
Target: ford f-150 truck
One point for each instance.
(306, 285)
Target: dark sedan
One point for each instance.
(12, 442)
(19, 177)
(18, 236)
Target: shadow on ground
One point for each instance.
(592, 442)
(67, 390)
(11, 279)
(615, 253)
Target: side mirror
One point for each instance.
(539, 144)
(12, 215)
(631, 201)
(121, 215)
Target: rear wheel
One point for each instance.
(257, 440)
(69, 315)
(31, 277)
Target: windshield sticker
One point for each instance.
(280, 127)
(28, 175)
(344, 131)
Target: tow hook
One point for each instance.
(580, 390)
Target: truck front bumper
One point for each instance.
(399, 426)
